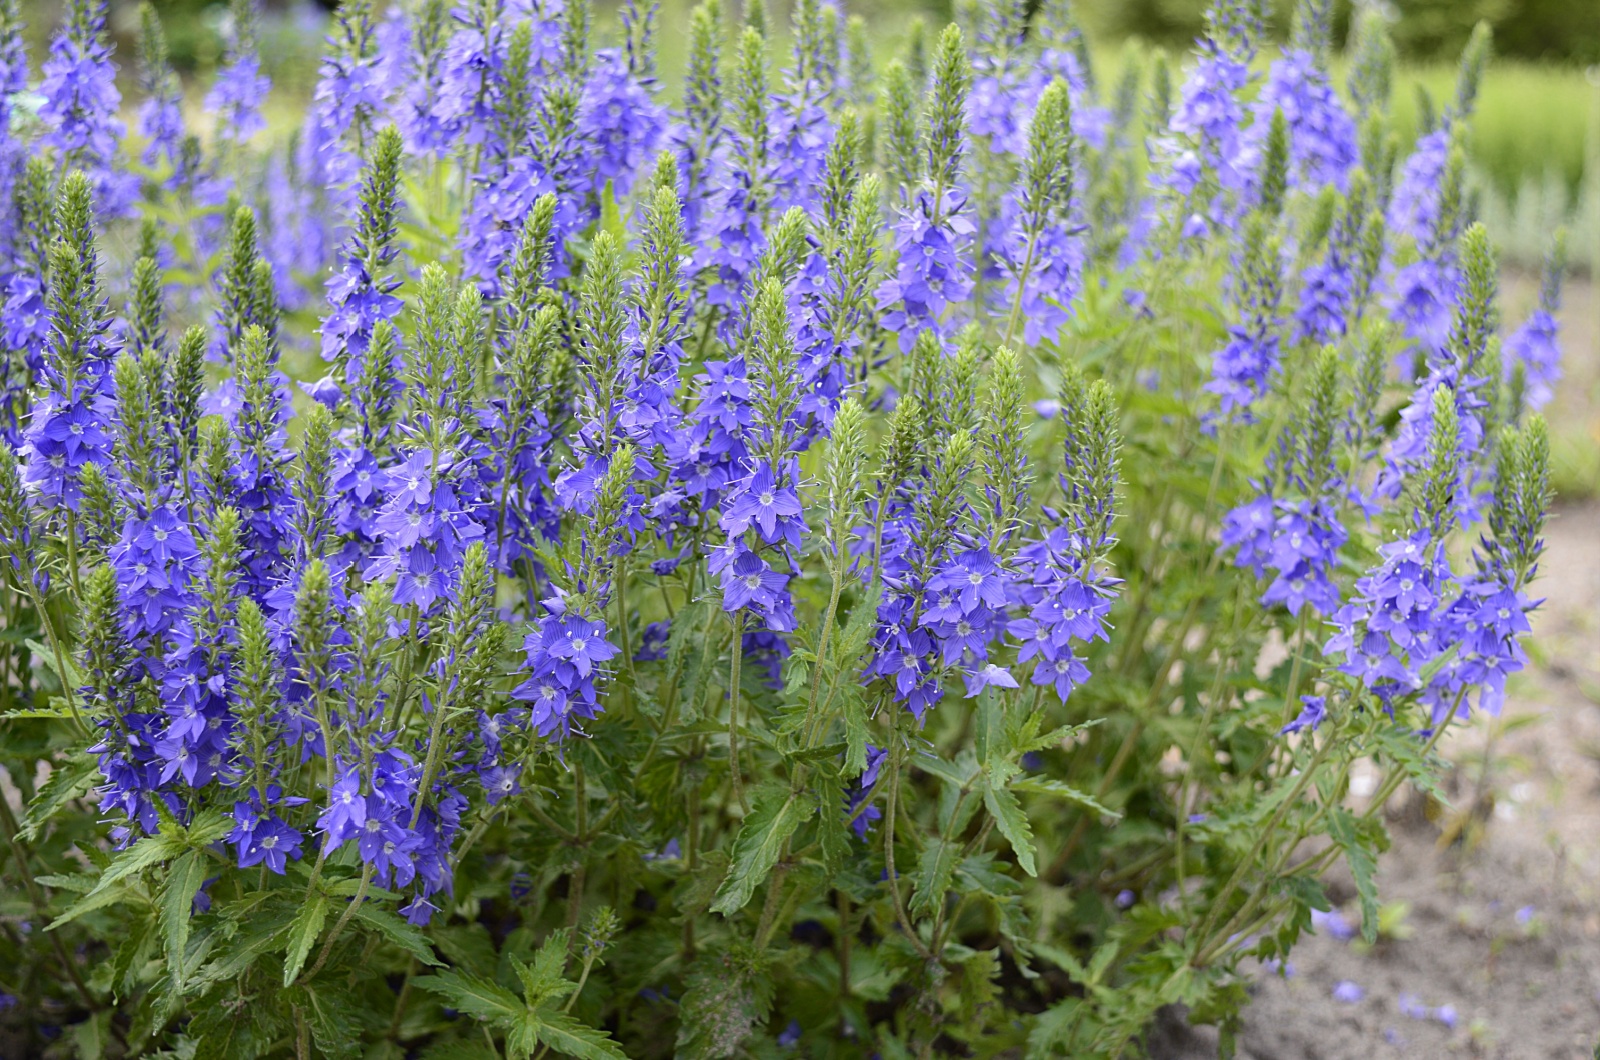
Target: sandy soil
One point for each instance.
(1497, 953)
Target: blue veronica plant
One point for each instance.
(522, 558)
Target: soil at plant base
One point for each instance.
(1498, 952)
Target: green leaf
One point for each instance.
(566, 1035)
(475, 997)
(207, 828)
(398, 932)
(177, 903)
(73, 678)
(1061, 790)
(68, 780)
(303, 934)
(1361, 854)
(123, 963)
(776, 816)
(334, 1022)
(96, 899)
(146, 852)
(853, 706)
(36, 713)
(992, 742)
(264, 933)
(934, 872)
(543, 979)
(1012, 822)
(726, 997)
(853, 641)
(92, 1035)
(961, 772)
(832, 832)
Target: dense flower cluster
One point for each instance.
(730, 428)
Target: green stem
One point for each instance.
(733, 712)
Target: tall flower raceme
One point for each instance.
(246, 293)
(1062, 581)
(1042, 255)
(428, 34)
(933, 233)
(67, 430)
(743, 200)
(1322, 135)
(80, 106)
(1533, 351)
(802, 126)
(761, 510)
(26, 318)
(433, 511)
(1208, 154)
(361, 293)
(249, 470)
(1421, 191)
(700, 132)
(1336, 289)
(709, 456)
(1423, 292)
(1427, 205)
(1466, 369)
(1295, 529)
(569, 644)
(1399, 620)
(241, 88)
(1242, 370)
(160, 112)
(620, 120)
(349, 96)
(13, 79)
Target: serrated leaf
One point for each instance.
(127, 955)
(263, 934)
(303, 932)
(776, 816)
(208, 827)
(146, 852)
(853, 708)
(960, 773)
(1362, 857)
(188, 872)
(566, 1035)
(68, 780)
(832, 832)
(92, 1036)
(853, 641)
(543, 979)
(1061, 790)
(991, 739)
(1012, 822)
(73, 678)
(725, 998)
(334, 1023)
(475, 997)
(935, 869)
(96, 899)
(398, 932)
(36, 713)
